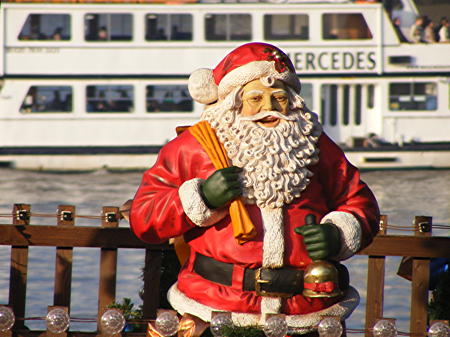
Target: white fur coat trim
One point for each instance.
(273, 253)
(297, 323)
(194, 206)
(351, 233)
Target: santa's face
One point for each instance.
(274, 158)
(258, 101)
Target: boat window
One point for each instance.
(47, 99)
(341, 104)
(49, 27)
(333, 104)
(370, 96)
(286, 27)
(346, 104)
(109, 98)
(307, 95)
(329, 104)
(342, 26)
(171, 27)
(108, 27)
(358, 104)
(168, 98)
(228, 27)
(413, 96)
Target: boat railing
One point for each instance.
(20, 235)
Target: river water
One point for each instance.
(401, 195)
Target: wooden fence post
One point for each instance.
(152, 275)
(420, 281)
(375, 284)
(19, 268)
(63, 261)
(108, 265)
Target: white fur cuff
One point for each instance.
(194, 206)
(350, 230)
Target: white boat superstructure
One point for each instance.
(111, 78)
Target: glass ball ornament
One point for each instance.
(330, 327)
(57, 320)
(439, 329)
(7, 319)
(218, 322)
(384, 328)
(167, 323)
(112, 322)
(275, 326)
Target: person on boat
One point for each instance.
(438, 27)
(416, 31)
(239, 187)
(102, 34)
(373, 140)
(428, 34)
(444, 31)
(57, 34)
(398, 30)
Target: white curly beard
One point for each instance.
(274, 160)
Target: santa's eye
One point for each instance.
(254, 99)
(281, 98)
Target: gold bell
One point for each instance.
(321, 279)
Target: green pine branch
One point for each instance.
(439, 307)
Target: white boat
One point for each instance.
(87, 85)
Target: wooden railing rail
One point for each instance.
(20, 235)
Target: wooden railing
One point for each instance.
(20, 235)
(422, 247)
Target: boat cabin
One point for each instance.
(78, 74)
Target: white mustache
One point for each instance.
(263, 114)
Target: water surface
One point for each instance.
(401, 195)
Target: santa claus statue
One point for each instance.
(240, 186)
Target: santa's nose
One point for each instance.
(268, 104)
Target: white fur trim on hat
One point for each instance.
(351, 233)
(297, 323)
(194, 206)
(202, 87)
(252, 71)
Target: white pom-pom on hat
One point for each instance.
(202, 86)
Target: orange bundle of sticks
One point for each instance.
(243, 228)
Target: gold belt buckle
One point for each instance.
(261, 292)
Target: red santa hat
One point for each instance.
(244, 64)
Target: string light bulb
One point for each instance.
(275, 326)
(112, 322)
(7, 318)
(330, 327)
(219, 322)
(57, 320)
(167, 323)
(439, 329)
(385, 328)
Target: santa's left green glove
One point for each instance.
(322, 241)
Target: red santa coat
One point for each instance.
(158, 213)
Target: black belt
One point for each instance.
(279, 282)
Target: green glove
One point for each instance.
(321, 240)
(221, 187)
